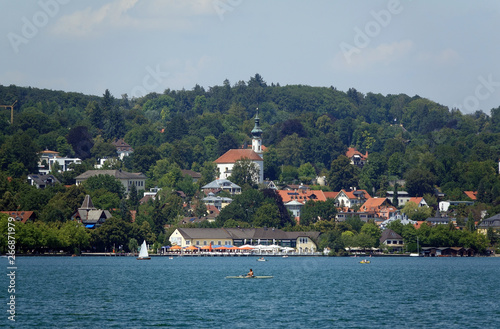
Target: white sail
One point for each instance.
(144, 250)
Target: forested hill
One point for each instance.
(306, 132)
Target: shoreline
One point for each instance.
(108, 254)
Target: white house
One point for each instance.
(127, 179)
(52, 159)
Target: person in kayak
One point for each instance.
(250, 274)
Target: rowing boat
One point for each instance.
(250, 277)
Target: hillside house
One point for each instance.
(357, 158)
(127, 179)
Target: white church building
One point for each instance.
(225, 162)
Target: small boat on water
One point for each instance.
(250, 277)
(285, 256)
(143, 254)
(364, 261)
(262, 259)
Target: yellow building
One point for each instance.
(492, 222)
(301, 241)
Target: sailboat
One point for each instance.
(143, 254)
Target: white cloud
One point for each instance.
(358, 59)
(155, 14)
(87, 21)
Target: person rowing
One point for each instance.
(250, 274)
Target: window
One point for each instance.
(219, 243)
(188, 242)
(204, 243)
(198, 243)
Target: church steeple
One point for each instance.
(257, 136)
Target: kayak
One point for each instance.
(250, 277)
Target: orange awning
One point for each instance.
(175, 248)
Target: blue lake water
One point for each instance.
(306, 292)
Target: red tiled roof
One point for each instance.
(22, 216)
(418, 224)
(471, 194)
(352, 195)
(302, 196)
(351, 151)
(121, 145)
(330, 195)
(417, 200)
(234, 155)
(373, 204)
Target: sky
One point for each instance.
(447, 51)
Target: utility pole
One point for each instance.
(11, 111)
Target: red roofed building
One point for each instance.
(420, 202)
(379, 207)
(302, 195)
(122, 148)
(352, 198)
(225, 162)
(21, 216)
(330, 195)
(357, 158)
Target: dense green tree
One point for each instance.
(208, 173)
(20, 149)
(143, 158)
(414, 212)
(267, 216)
(105, 182)
(342, 174)
(372, 231)
(306, 173)
(81, 141)
(225, 143)
(314, 211)
(245, 172)
(289, 174)
(94, 112)
(419, 182)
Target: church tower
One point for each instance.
(257, 136)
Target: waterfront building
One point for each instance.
(90, 216)
(492, 222)
(392, 240)
(301, 241)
